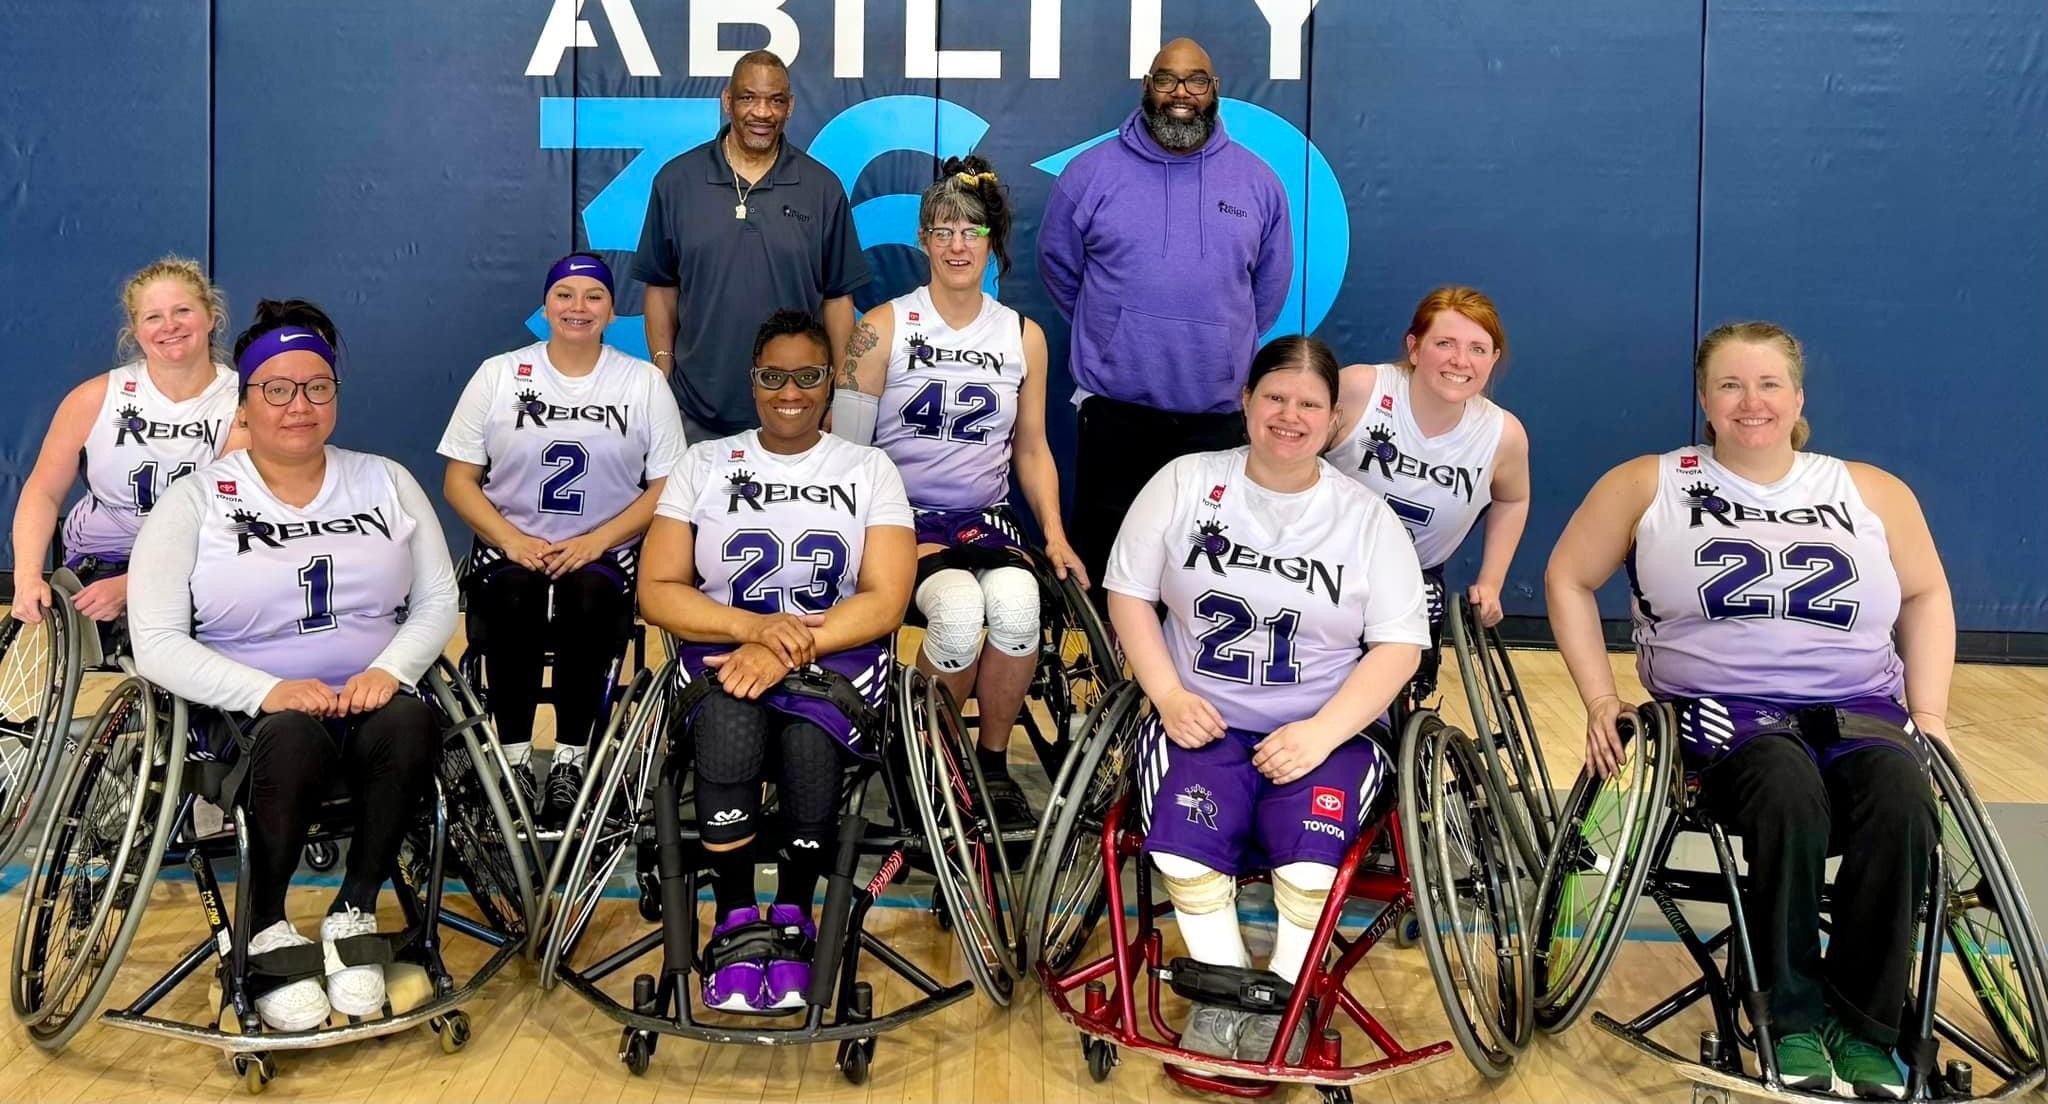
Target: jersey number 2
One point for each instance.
(570, 461)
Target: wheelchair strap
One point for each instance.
(830, 686)
(1260, 991)
(756, 941)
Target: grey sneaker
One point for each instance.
(1213, 1029)
(1255, 1039)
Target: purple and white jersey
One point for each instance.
(782, 534)
(1438, 486)
(140, 443)
(565, 454)
(1270, 598)
(1784, 593)
(949, 403)
(302, 592)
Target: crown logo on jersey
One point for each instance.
(248, 522)
(1705, 496)
(1210, 539)
(130, 418)
(401, 613)
(920, 349)
(1382, 446)
(529, 402)
(743, 484)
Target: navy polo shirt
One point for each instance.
(796, 248)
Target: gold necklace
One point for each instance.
(739, 208)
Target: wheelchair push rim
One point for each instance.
(1500, 731)
(1068, 889)
(39, 675)
(488, 849)
(1078, 667)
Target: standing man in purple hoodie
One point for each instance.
(1169, 251)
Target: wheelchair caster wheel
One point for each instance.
(1408, 931)
(1336, 1094)
(855, 1056)
(257, 1071)
(1959, 1075)
(322, 856)
(1101, 1058)
(453, 1030)
(941, 916)
(650, 898)
(636, 1049)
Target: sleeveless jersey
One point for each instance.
(565, 454)
(782, 534)
(949, 403)
(1784, 593)
(314, 592)
(1438, 486)
(1270, 598)
(141, 442)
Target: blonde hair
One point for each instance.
(186, 271)
(1755, 333)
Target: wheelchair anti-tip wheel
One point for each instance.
(1068, 888)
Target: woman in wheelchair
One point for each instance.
(1768, 583)
(1294, 615)
(1423, 433)
(136, 428)
(954, 403)
(298, 589)
(557, 453)
(775, 549)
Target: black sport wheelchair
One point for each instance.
(1978, 982)
(135, 793)
(633, 807)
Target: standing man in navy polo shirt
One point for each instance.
(736, 228)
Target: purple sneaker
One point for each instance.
(735, 986)
(790, 978)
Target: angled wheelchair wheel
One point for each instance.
(606, 817)
(1504, 735)
(1467, 892)
(1991, 930)
(1068, 888)
(1604, 853)
(98, 859)
(1077, 666)
(959, 834)
(39, 676)
(488, 841)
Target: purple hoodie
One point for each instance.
(1169, 266)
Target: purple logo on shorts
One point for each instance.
(1200, 804)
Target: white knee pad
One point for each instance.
(1194, 889)
(1011, 594)
(1300, 891)
(952, 606)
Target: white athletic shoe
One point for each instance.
(353, 990)
(300, 1006)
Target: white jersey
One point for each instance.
(1270, 598)
(1783, 592)
(782, 534)
(565, 454)
(140, 443)
(1438, 486)
(302, 592)
(949, 403)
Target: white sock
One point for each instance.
(1214, 938)
(1290, 949)
(519, 754)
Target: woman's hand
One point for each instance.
(573, 554)
(1604, 753)
(747, 672)
(1292, 750)
(104, 600)
(788, 635)
(305, 695)
(31, 597)
(1189, 719)
(368, 691)
(530, 553)
(1933, 727)
(1487, 598)
(1061, 556)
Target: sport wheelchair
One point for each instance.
(1615, 842)
(1442, 871)
(130, 798)
(632, 803)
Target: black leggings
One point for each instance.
(1873, 807)
(387, 757)
(732, 741)
(583, 633)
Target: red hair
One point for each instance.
(1470, 302)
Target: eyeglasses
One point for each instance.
(1164, 83)
(943, 235)
(775, 379)
(280, 392)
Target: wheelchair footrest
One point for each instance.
(1260, 991)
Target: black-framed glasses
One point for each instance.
(809, 377)
(1164, 83)
(280, 392)
(943, 235)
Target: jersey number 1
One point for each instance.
(143, 479)
(316, 580)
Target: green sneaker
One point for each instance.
(1803, 1062)
(1870, 1069)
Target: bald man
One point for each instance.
(1168, 250)
(736, 228)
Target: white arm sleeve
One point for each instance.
(160, 612)
(464, 438)
(1137, 561)
(1396, 601)
(430, 617)
(853, 415)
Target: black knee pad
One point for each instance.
(730, 737)
(809, 784)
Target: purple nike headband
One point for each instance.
(284, 339)
(578, 264)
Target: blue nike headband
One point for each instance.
(285, 339)
(578, 264)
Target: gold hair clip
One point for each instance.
(976, 178)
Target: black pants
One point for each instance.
(734, 742)
(387, 757)
(1121, 447)
(589, 608)
(1873, 807)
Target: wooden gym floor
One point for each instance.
(533, 1046)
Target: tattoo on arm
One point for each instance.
(858, 344)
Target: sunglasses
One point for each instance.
(774, 379)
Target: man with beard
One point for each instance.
(742, 225)
(1168, 250)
